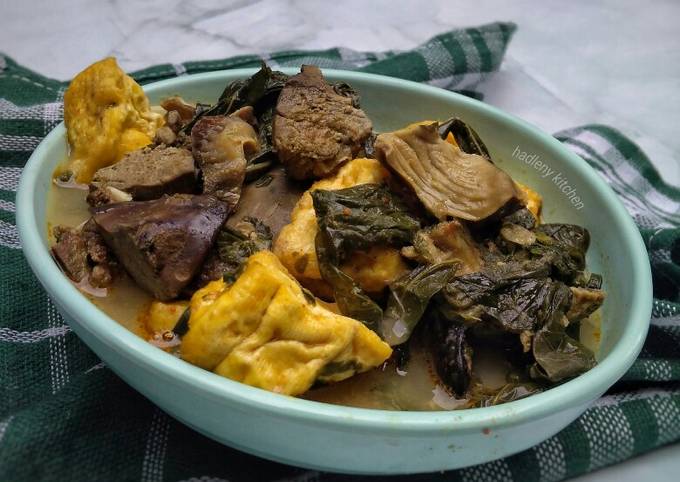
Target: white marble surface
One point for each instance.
(613, 62)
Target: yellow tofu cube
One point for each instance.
(532, 200)
(107, 115)
(295, 243)
(263, 330)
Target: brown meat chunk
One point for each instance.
(162, 243)
(83, 256)
(221, 146)
(70, 252)
(212, 269)
(315, 129)
(145, 174)
(270, 199)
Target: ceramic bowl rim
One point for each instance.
(574, 393)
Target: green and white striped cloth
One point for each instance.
(65, 416)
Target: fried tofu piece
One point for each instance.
(163, 316)
(376, 268)
(263, 330)
(107, 115)
(532, 200)
(372, 270)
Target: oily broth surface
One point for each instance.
(416, 388)
(382, 388)
(387, 388)
(125, 300)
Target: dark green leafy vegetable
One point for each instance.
(522, 217)
(564, 246)
(261, 91)
(333, 369)
(236, 245)
(409, 297)
(466, 137)
(586, 279)
(346, 90)
(264, 181)
(369, 145)
(574, 237)
(264, 121)
(528, 304)
(594, 281)
(201, 109)
(257, 170)
(354, 219)
(182, 325)
(351, 299)
(517, 296)
(533, 288)
(510, 392)
(401, 354)
(467, 290)
(559, 356)
(452, 354)
(362, 216)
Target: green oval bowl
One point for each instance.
(353, 440)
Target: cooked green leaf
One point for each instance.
(264, 121)
(576, 238)
(522, 216)
(467, 290)
(564, 246)
(510, 392)
(559, 356)
(354, 219)
(401, 354)
(517, 296)
(261, 91)
(528, 304)
(369, 145)
(594, 281)
(452, 354)
(351, 299)
(409, 297)
(236, 245)
(346, 90)
(466, 137)
(362, 216)
(182, 325)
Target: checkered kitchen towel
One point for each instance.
(65, 416)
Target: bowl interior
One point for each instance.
(571, 190)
